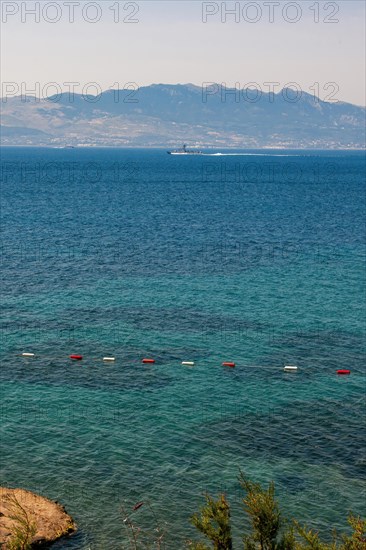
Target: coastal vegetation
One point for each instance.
(269, 529)
(23, 528)
(266, 527)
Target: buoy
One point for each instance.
(188, 363)
(228, 364)
(343, 371)
(28, 354)
(108, 359)
(290, 368)
(148, 360)
(76, 357)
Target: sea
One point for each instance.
(252, 257)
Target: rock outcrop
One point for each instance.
(27, 515)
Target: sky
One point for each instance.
(318, 46)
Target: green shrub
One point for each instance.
(214, 522)
(23, 529)
(269, 529)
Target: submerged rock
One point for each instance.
(35, 519)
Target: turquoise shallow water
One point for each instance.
(135, 253)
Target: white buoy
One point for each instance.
(188, 363)
(28, 354)
(108, 359)
(290, 368)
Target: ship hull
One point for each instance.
(177, 153)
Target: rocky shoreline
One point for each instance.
(27, 515)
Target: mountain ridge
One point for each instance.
(168, 114)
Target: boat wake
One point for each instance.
(249, 155)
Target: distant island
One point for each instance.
(164, 115)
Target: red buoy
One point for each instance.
(228, 364)
(343, 371)
(148, 360)
(76, 357)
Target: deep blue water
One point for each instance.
(256, 259)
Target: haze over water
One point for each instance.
(134, 253)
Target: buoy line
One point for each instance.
(150, 361)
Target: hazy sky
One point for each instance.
(170, 43)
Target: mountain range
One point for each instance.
(163, 115)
